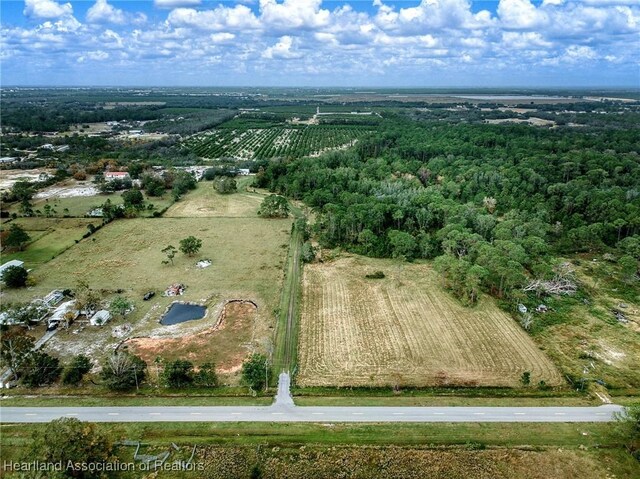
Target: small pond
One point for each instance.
(180, 312)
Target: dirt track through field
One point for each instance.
(404, 330)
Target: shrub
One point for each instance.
(376, 275)
(15, 276)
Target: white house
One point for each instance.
(116, 175)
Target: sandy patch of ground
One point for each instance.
(531, 121)
(9, 177)
(68, 191)
(209, 345)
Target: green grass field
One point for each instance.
(79, 206)
(126, 255)
(206, 202)
(49, 238)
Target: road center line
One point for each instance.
(317, 413)
(113, 413)
(398, 414)
(155, 413)
(479, 413)
(519, 413)
(30, 414)
(439, 413)
(357, 413)
(196, 413)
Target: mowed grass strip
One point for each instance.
(205, 202)
(404, 330)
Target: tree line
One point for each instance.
(494, 204)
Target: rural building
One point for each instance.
(64, 313)
(7, 159)
(53, 298)
(8, 264)
(101, 317)
(116, 175)
(243, 171)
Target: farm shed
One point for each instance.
(101, 317)
(66, 311)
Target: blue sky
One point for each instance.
(427, 43)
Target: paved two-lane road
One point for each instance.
(283, 413)
(284, 410)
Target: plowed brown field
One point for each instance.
(405, 330)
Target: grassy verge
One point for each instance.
(286, 343)
(445, 401)
(84, 401)
(282, 434)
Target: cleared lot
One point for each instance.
(403, 330)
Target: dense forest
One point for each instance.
(493, 204)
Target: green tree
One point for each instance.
(190, 245)
(87, 299)
(15, 349)
(170, 251)
(120, 306)
(628, 268)
(15, 276)
(525, 379)
(255, 370)
(68, 440)
(629, 428)
(178, 373)
(123, 371)
(133, 199)
(16, 237)
(206, 376)
(76, 369)
(308, 253)
(274, 206)
(225, 185)
(40, 369)
(403, 245)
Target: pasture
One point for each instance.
(404, 330)
(126, 255)
(49, 238)
(205, 202)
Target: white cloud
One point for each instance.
(46, 9)
(438, 35)
(282, 49)
(524, 40)
(221, 37)
(220, 18)
(176, 3)
(293, 14)
(520, 14)
(97, 55)
(102, 12)
(431, 14)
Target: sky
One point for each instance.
(315, 43)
